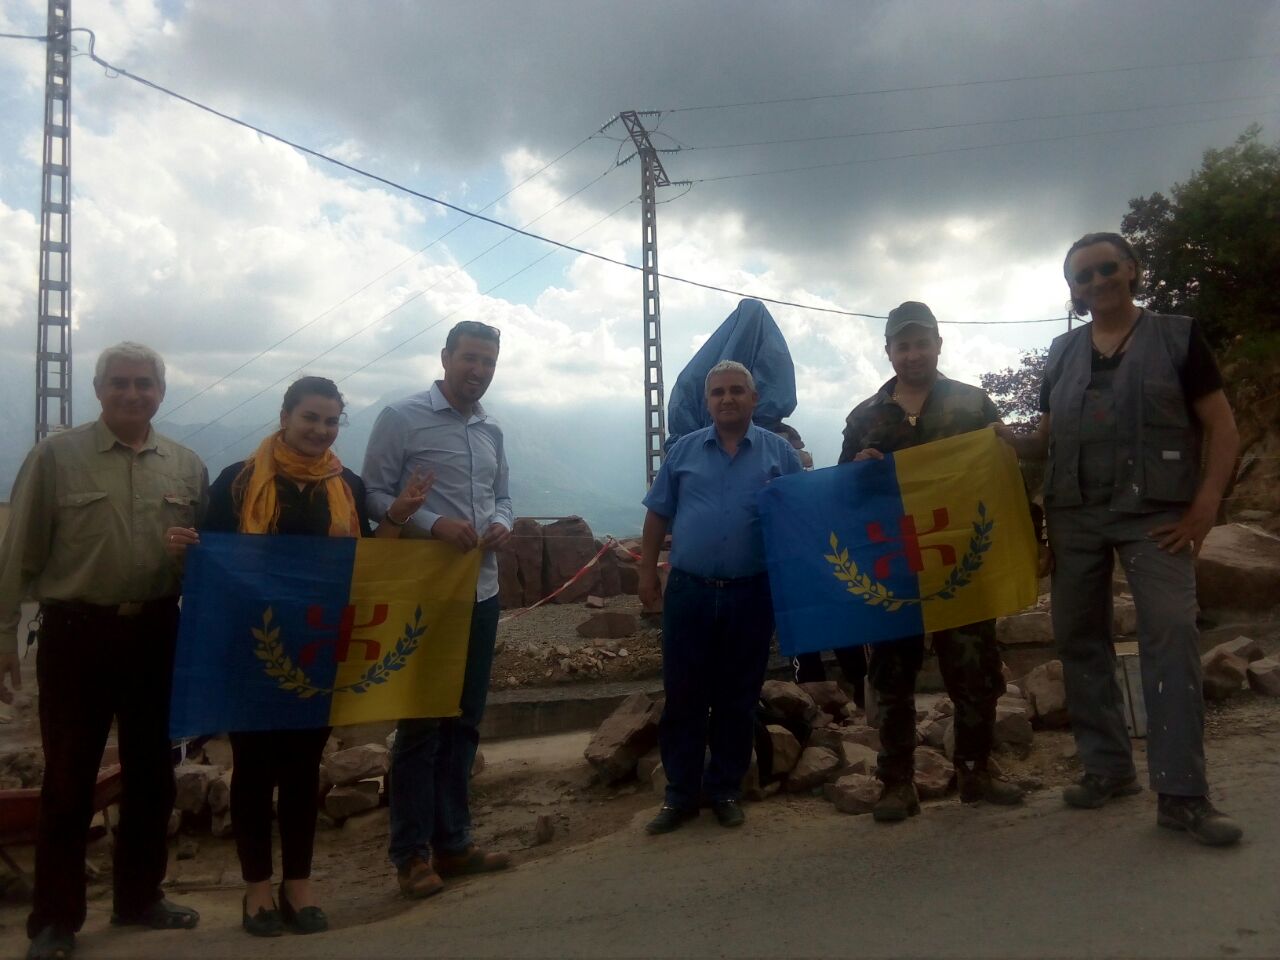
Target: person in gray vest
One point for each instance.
(1128, 403)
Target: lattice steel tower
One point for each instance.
(53, 339)
(652, 176)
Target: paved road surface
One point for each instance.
(800, 881)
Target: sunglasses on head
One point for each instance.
(1107, 269)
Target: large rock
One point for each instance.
(609, 625)
(1046, 691)
(193, 782)
(867, 736)
(567, 546)
(853, 793)
(1246, 648)
(786, 749)
(859, 758)
(1013, 730)
(789, 700)
(365, 762)
(1224, 673)
(510, 590)
(220, 794)
(932, 730)
(1124, 617)
(934, 774)
(828, 697)
(526, 539)
(347, 801)
(610, 585)
(1238, 568)
(1029, 627)
(1264, 676)
(626, 735)
(628, 579)
(815, 767)
(828, 737)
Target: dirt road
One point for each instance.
(800, 880)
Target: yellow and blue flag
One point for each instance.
(282, 632)
(930, 537)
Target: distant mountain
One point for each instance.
(588, 462)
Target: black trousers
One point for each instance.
(93, 667)
(970, 663)
(262, 761)
(853, 664)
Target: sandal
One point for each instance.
(471, 860)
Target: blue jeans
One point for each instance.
(431, 762)
(715, 647)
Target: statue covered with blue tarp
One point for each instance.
(750, 336)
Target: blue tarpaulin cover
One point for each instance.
(751, 337)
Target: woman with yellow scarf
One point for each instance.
(294, 485)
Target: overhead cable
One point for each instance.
(980, 146)
(968, 83)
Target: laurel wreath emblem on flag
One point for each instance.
(291, 677)
(876, 594)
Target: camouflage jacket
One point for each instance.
(952, 408)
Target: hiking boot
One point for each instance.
(1094, 790)
(897, 801)
(418, 879)
(669, 818)
(977, 782)
(729, 813)
(1197, 816)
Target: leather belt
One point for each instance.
(720, 584)
(131, 608)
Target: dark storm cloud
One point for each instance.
(465, 82)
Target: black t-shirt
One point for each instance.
(303, 512)
(1199, 375)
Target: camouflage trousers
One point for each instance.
(970, 663)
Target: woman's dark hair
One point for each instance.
(311, 387)
(1121, 245)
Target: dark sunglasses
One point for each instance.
(1107, 269)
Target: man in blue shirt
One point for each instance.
(717, 616)
(446, 433)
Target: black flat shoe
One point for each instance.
(669, 818)
(729, 813)
(264, 923)
(161, 915)
(306, 920)
(52, 943)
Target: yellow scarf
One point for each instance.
(260, 511)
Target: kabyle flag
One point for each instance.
(282, 632)
(930, 537)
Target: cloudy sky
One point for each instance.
(1037, 123)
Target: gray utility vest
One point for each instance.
(1157, 444)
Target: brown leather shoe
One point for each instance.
(418, 880)
(471, 860)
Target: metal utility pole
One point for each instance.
(652, 176)
(53, 307)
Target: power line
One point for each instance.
(382, 276)
(403, 303)
(426, 329)
(980, 146)
(969, 123)
(120, 71)
(309, 151)
(966, 83)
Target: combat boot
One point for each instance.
(977, 782)
(897, 801)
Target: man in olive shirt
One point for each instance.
(86, 539)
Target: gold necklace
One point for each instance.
(911, 417)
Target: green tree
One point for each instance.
(1212, 247)
(1016, 390)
